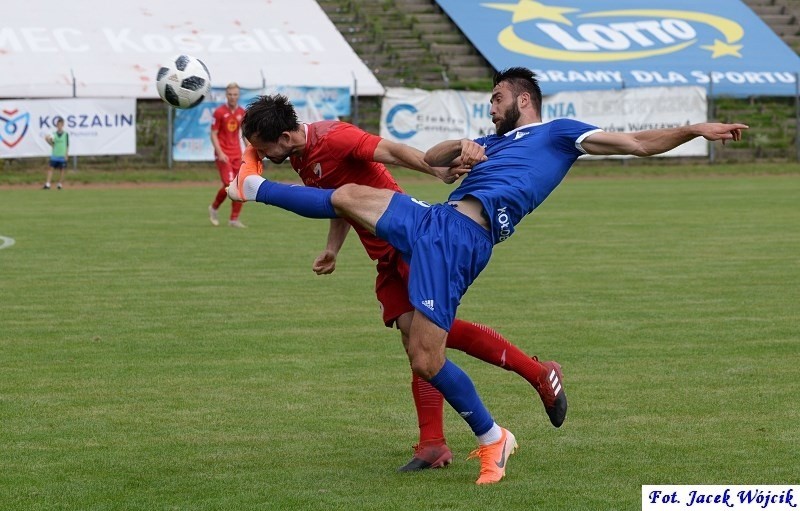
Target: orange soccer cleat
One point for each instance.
(251, 166)
(494, 457)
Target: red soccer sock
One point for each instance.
(485, 344)
(430, 404)
(222, 194)
(236, 207)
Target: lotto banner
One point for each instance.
(585, 44)
(192, 129)
(95, 126)
(422, 119)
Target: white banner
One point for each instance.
(95, 126)
(422, 119)
(108, 48)
(635, 109)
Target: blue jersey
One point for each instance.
(524, 166)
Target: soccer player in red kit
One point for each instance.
(330, 154)
(227, 141)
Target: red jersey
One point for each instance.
(338, 153)
(227, 123)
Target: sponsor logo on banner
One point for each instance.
(397, 132)
(584, 44)
(96, 126)
(422, 118)
(13, 126)
(568, 34)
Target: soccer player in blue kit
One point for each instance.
(447, 245)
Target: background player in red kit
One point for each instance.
(329, 154)
(227, 141)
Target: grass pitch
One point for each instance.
(151, 361)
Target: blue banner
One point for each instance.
(584, 44)
(192, 127)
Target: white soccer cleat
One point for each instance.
(213, 216)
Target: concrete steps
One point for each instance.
(408, 37)
(782, 16)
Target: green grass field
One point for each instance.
(149, 361)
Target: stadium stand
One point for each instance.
(782, 16)
(409, 43)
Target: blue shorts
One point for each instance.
(445, 250)
(58, 162)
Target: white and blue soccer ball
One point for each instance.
(184, 82)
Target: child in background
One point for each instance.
(59, 140)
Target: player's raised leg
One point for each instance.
(363, 204)
(249, 185)
(486, 344)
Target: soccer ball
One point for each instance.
(184, 83)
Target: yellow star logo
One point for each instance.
(721, 49)
(526, 10)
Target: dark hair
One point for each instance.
(57, 119)
(269, 116)
(521, 79)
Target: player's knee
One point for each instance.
(345, 194)
(423, 366)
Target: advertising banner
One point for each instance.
(635, 110)
(95, 126)
(102, 48)
(721, 45)
(422, 119)
(192, 127)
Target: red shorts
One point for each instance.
(228, 169)
(391, 287)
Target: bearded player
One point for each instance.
(329, 154)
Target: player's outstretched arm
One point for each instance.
(652, 142)
(393, 153)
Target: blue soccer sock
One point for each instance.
(458, 390)
(303, 200)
